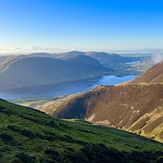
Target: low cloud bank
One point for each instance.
(157, 58)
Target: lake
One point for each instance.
(66, 88)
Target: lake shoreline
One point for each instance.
(64, 88)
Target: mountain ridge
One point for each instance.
(131, 106)
(29, 71)
(152, 75)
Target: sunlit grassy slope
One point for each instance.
(28, 135)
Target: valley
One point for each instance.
(61, 89)
(134, 106)
(81, 81)
(45, 75)
(97, 109)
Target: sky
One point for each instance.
(87, 25)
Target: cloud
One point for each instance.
(31, 49)
(43, 48)
(157, 58)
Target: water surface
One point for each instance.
(66, 88)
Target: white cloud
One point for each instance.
(157, 58)
(31, 49)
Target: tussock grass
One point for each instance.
(27, 135)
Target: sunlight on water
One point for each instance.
(66, 88)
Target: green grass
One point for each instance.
(27, 135)
(147, 84)
(34, 101)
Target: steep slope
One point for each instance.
(133, 107)
(129, 107)
(28, 135)
(29, 71)
(152, 75)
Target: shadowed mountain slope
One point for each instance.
(83, 59)
(30, 71)
(27, 135)
(133, 107)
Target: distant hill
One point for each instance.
(72, 53)
(112, 61)
(29, 136)
(111, 58)
(122, 65)
(44, 68)
(43, 55)
(103, 57)
(29, 71)
(3, 58)
(83, 60)
(136, 106)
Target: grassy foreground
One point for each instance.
(27, 135)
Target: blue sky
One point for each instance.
(101, 25)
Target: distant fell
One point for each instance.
(31, 71)
(111, 58)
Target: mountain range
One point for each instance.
(111, 58)
(31, 71)
(44, 68)
(28, 135)
(136, 106)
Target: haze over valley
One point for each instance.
(42, 71)
(81, 81)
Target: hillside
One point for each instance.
(30, 71)
(45, 68)
(135, 107)
(112, 61)
(27, 135)
(152, 75)
(119, 63)
(111, 58)
(49, 55)
(103, 57)
(72, 53)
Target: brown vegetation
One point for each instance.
(134, 106)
